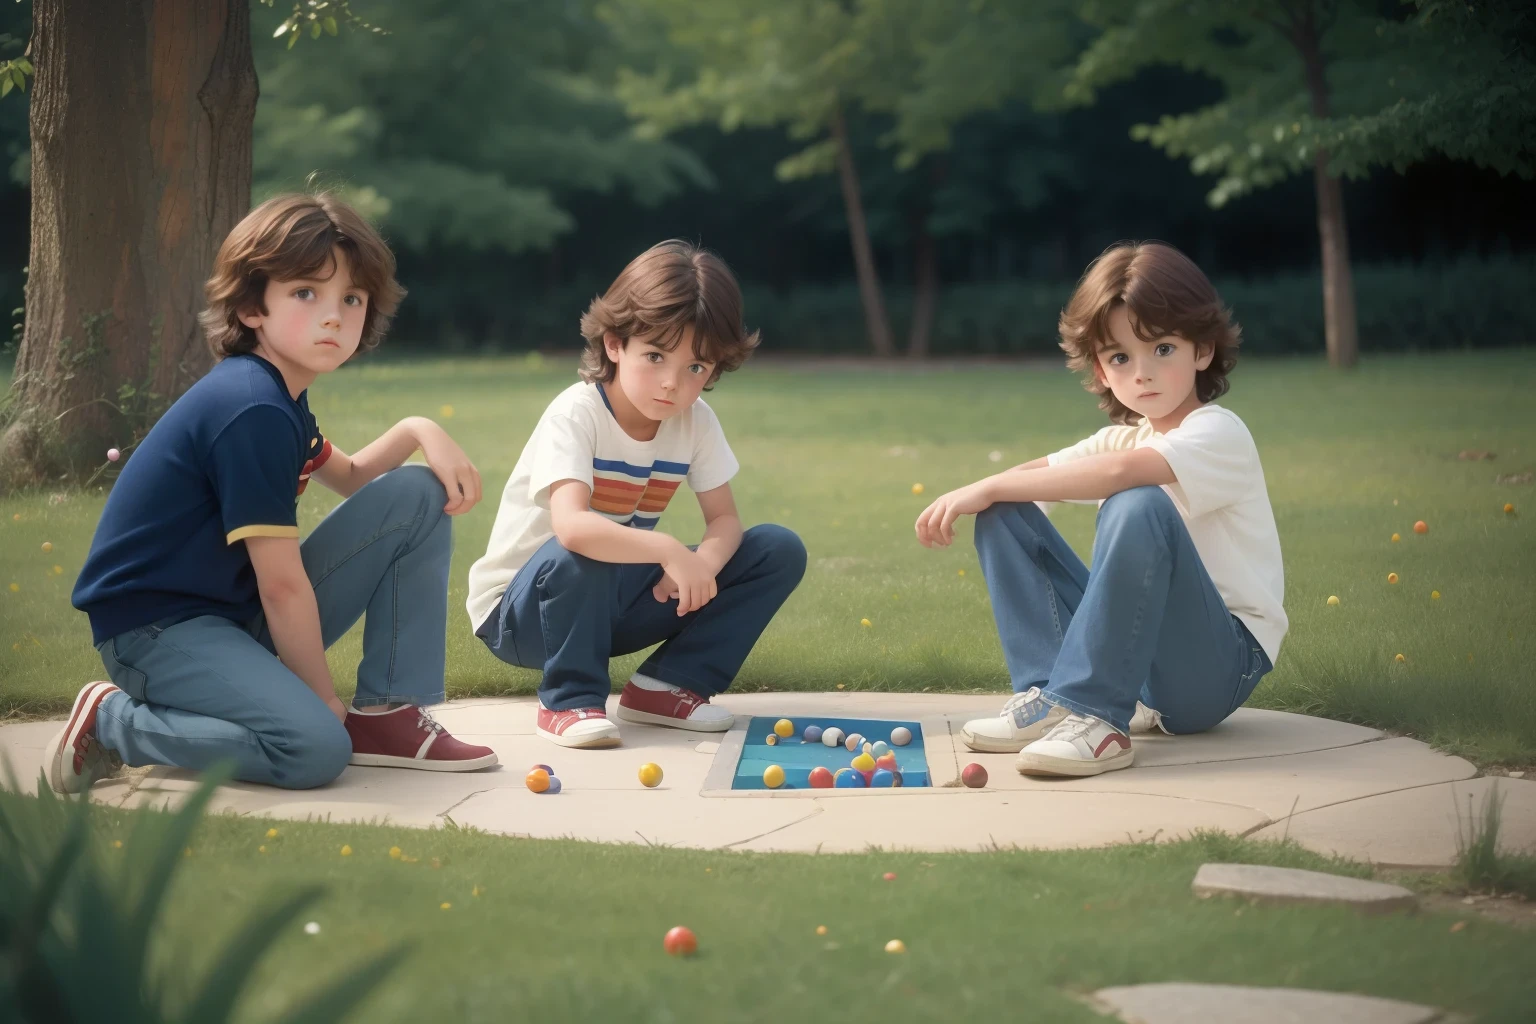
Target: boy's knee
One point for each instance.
(995, 515)
(318, 754)
(996, 518)
(415, 483)
(781, 546)
(1148, 503)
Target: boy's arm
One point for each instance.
(345, 474)
(722, 536)
(288, 599)
(1088, 478)
(584, 532)
(722, 526)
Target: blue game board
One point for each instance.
(797, 757)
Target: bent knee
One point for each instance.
(417, 482)
(996, 517)
(1149, 501)
(781, 545)
(317, 755)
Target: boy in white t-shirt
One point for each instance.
(576, 572)
(1181, 615)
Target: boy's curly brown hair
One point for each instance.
(665, 290)
(287, 238)
(1164, 293)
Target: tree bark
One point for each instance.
(875, 319)
(925, 266)
(925, 293)
(1340, 324)
(141, 120)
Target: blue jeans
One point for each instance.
(568, 614)
(209, 689)
(1145, 623)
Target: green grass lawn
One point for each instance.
(834, 453)
(1008, 935)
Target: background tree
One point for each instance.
(1330, 85)
(469, 131)
(140, 163)
(796, 64)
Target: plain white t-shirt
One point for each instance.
(632, 481)
(1220, 493)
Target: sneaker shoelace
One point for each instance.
(1019, 700)
(688, 697)
(1074, 726)
(426, 722)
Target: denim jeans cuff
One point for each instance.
(1084, 709)
(424, 700)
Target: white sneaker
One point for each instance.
(1077, 745)
(1026, 717)
(1148, 720)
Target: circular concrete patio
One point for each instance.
(1335, 788)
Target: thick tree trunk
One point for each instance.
(925, 294)
(141, 163)
(875, 319)
(1340, 324)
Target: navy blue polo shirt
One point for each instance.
(226, 462)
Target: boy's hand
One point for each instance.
(337, 707)
(687, 577)
(936, 526)
(445, 458)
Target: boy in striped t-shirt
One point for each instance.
(575, 571)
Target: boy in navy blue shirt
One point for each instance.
(211, 618)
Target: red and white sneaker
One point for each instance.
(73, 759)
(583, 728)
(1077, 745)
(673, 706)
(409, 737)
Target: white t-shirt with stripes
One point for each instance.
(632, 481)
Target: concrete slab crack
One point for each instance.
(807, 817)
(460, 802)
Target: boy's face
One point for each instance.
(311, 325)
(658, 383)
(1152, 378)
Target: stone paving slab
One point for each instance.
(1415, 827)
(1270, 785)
(1178, 1003)
(1244, 777)
(1265, 884)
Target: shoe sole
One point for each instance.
(986, 745)
(1071, 767)
(64, 740)
(646, 718)
(596, 743)
(426, 765)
